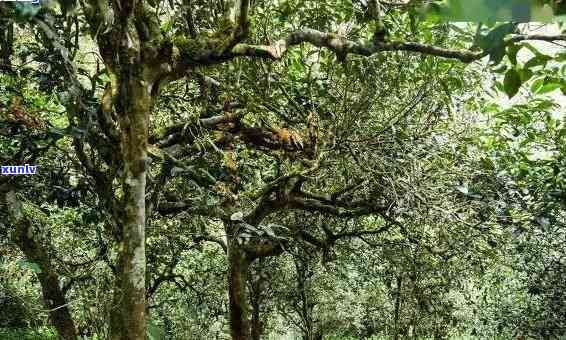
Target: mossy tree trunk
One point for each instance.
(239, 305)
(140, 60)
(255, 297)
(26, 236)
(133, 104)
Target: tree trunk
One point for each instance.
(309, 326)
(256, 299)
(133, 103)
(257, 324)
(239, 305)
(56, 302)
(30, 244)
(397, 306)
(6, 45)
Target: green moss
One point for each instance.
(184, 44)
(218, 40)
(225, 27)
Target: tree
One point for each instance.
(145, 48)
(523, 154)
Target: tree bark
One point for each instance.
(26, 238)
(133, 103)
(397, 306)
(310, 329)
(55, 301)
(239, 305)
(6, 45)
(257, 324)
(256, 300)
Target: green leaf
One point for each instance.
(512, 51)
(495, 38)
(511, 83)
(538, 60)
(525, 74)
(497, 54)
(537, 84)
(491, 108)
(549, 87)
(494, 42)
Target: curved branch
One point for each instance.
(212, 239)
(343, 46)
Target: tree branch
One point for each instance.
(341, 46)
(237, 15)
(263, 247)
(169, 208)
(338, 209)
(234, 129)
(212, 239)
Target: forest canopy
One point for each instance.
(239, 169)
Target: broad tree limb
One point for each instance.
(341, 45)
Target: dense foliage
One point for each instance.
(280, 170)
